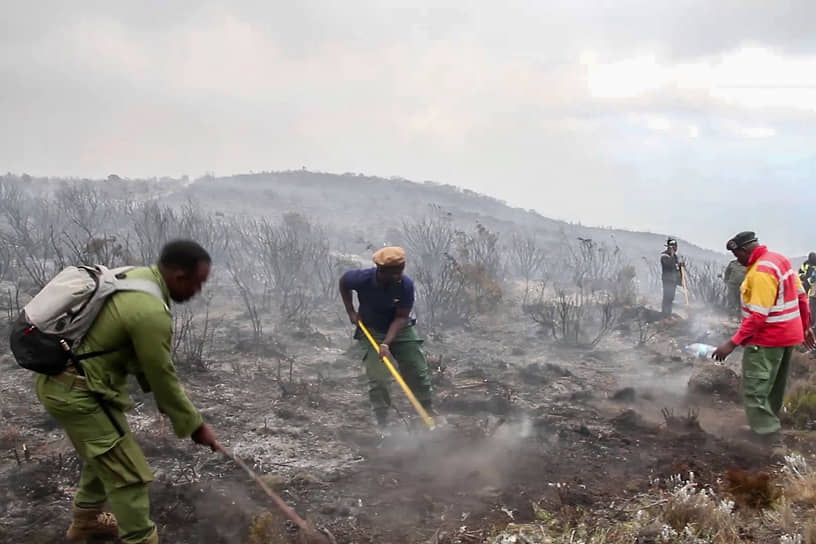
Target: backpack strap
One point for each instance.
(126, 284)
(145, 286)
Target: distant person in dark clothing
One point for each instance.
(672, 267)
(807, 275)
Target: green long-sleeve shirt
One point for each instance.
(141, 326)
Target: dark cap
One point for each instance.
(741, 240)
(671, 242)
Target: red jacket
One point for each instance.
(775, 310)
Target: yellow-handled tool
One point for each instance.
(685, 287)
(420, 410)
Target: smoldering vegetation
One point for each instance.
(566, 410)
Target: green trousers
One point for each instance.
(114, 469)
(411, 364)
(764, 376)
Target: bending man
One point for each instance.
(136, 330)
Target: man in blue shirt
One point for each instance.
(386, 297)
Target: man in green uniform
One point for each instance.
(137, 329)
(386, 297)
(733, 278)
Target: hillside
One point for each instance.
(554, 383)
(372, 205)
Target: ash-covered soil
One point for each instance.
(525, 425)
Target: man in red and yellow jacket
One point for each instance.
(775, 318)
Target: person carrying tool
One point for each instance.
(386, 298)
(672, 273)
(733, 278)
(776, 318)
(134, 331)
(807, 275)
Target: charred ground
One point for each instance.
(566, 411)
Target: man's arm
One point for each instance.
(402, 313)
(400, 320)
(348, 299)
(151, 334)
(666, 264)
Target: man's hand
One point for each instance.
(354, 317)
(724, 351)
(810, 338)
(385, 351)
(204, 435)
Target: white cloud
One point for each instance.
(747, 77)
(658, 123)
(495, 98)
(755, 132)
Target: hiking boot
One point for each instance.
(91, 522)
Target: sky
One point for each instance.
(686, 117)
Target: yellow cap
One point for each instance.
(389, 256)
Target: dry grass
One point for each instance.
(800, 485)
(799, 410)
(810, 532)
(751, 489)
(695, 512)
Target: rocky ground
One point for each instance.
(536, 443)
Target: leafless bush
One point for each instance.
(30, 235)
(212, 232)
(153, 225)
(654, 274)
(624, 288)
(193, 339)
(456, 271)
(6, 258)
(704, 282)
(251, 290)
(293, 255)
(478, 259)
(595, 266)
(329, 269)
(576, 319)
(527, 259)
(585, 309)
(83, 212)
(276, 267)
(646, 328)
(430, 241)
(11, 305)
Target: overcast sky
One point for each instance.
(689, 117)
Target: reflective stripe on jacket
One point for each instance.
(775, 308)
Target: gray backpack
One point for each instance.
(61, 314)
